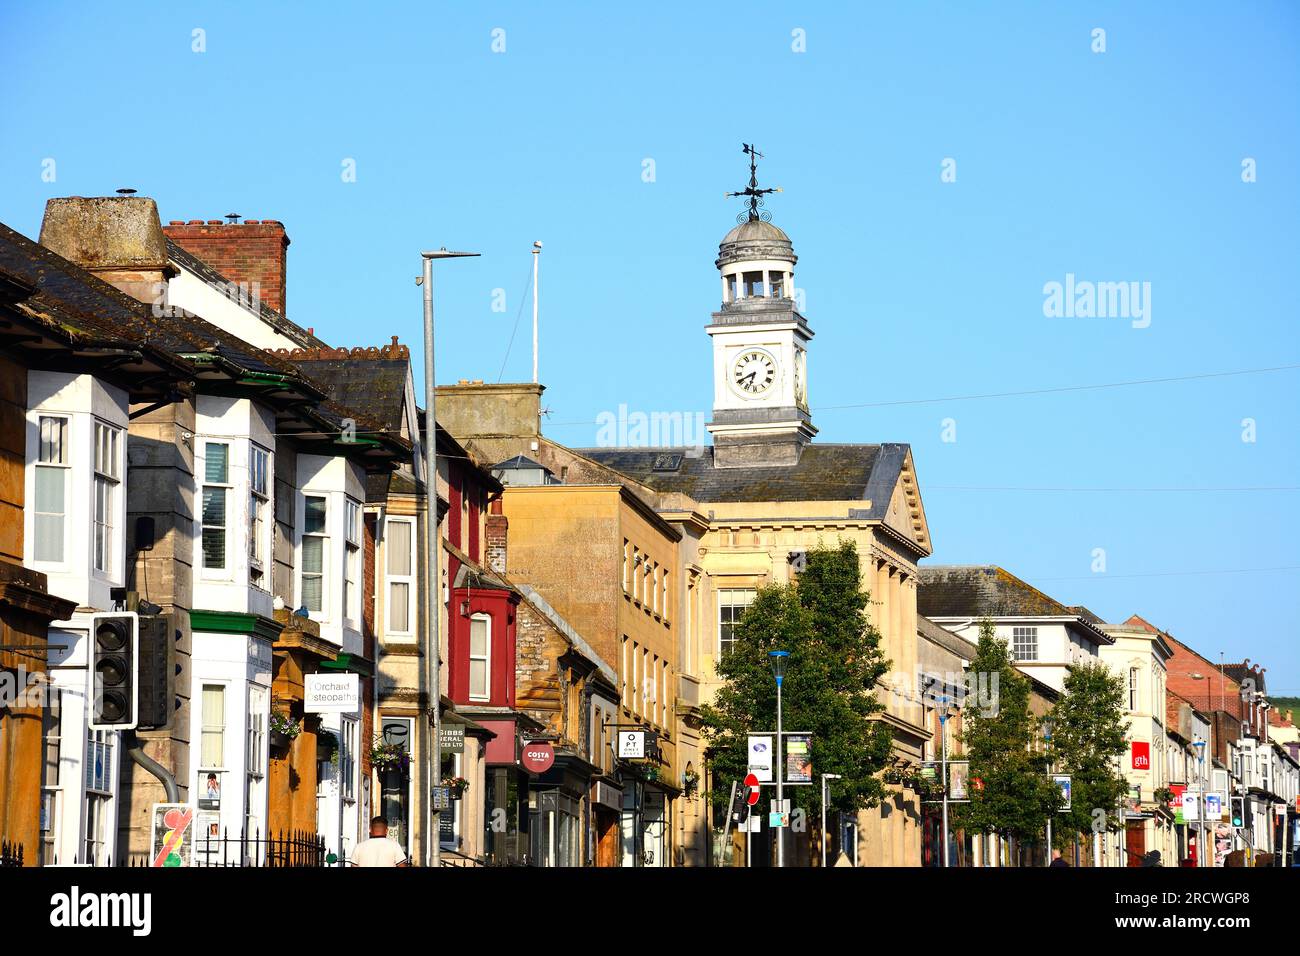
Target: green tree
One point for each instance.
(829, 685)
(1011, 793)
(1089, 735)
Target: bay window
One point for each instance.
(314, 559)
(108, 477)
(351, 561)
(480, 657)
(258, 503)
(216, 490)
(51, 488)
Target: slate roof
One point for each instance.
(976, 591)
(82, 309)
(823, 473)
(375, 387)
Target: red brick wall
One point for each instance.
(497, 527)
(252, 253)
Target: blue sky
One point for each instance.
(1124, 165)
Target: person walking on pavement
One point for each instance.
(380, 849)
(1058, 860)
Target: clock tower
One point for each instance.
(760, 344)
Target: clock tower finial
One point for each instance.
(760, 342)
(752, 192)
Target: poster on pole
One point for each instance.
(798, 758)
(761, 757)
(1066, 785)
(958, 781)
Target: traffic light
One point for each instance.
(1238, 812)
(155, 669)
(114, 657)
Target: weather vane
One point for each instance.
(752, 192)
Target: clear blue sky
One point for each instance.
(1117, 166)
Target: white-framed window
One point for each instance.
(636, 573)
(212, 733)
(216, 496)
(348, 747)
(99, 793)
(108, 476)
(315, 556)
(731, 607)
(352, 561)
(1134, 675)
(480, 657)
(627, 564)
(654, 587)
(399, 567)
(1024, 643)
(51, 788)
(256, 735)
(51, 505)
(663, 596)
(259, 504)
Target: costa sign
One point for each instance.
(538, 756)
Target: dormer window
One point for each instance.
(51, 489)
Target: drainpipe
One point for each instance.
(135, 750)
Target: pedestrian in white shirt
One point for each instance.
(379, 850)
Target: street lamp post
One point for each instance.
(1200, 802)
(1047, 738)
(945, 711)
(825, 777)
(432, 587)
(779, 659)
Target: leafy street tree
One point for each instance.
(1089, 735)
(829, 690)
(1011, 793)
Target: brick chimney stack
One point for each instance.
(252, 253)
(497, 528)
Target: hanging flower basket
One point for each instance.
(389, 756)
(283, 728)
(456, 786)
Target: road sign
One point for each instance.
(751, 784)
(631, 744)
(1214, 806)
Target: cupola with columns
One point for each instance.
(760, 343)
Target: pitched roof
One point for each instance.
(200, 268)
(80, 308)
(977, 591)
(376, 387)
(823, 473)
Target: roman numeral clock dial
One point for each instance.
(753, 372)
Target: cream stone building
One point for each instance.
(746, 508)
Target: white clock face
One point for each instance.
(753, 372)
